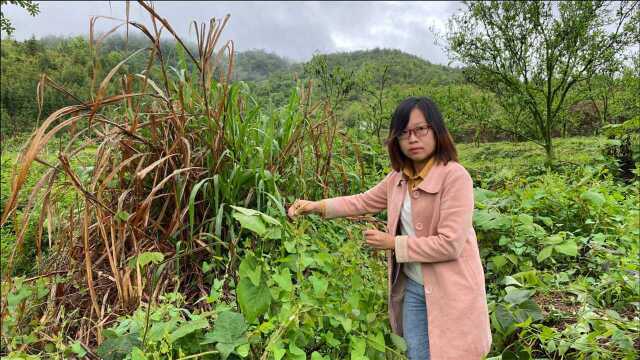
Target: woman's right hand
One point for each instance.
(303, 207)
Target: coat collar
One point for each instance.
(433, 182)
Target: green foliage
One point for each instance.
(549, 241)
(146, 258)
(538, 51)
(30, 6)
(624, 147)
(228, 334)
(257, 65)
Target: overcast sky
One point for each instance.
(295, 30)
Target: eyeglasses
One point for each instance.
(420, 131)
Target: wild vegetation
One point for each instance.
(144, 209)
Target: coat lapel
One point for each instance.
(431, 184)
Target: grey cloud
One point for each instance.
(292, 29)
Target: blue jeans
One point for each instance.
(414, 321)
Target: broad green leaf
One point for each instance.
(248, 263)
(517, 296)
(593, 197)
(358, 348)
(319, 284)
(214, 293)
(283, 279)
(525, 219)
(528, 278)
(546, 220)
(307, 261)
(78, 349)
(15, 298)
(545, 253)
(568, 247)
(258, 222)
(510, 280)
(254, 300)
(317, 356)
(278, 351)
(160, 329)
(137, 354)
(503, 316)
(399, 342)
(547, 333)
(377, 342)
(273, 233)
(296, 353)
(255, 275)
(253, 223)
(498, 261)
(623, 340)
(225, 349)
(243, 350)
(555, 238)
(269, 220)
(228, 333)
(122, 215)
(249, 268)
(118, 347)
(245, 211)
(290, 246)
(346, 323)
(187, 328)
(513, 258)
(145, 258)
(526, 309)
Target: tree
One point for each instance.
(538, 51)
(373, 80)
(32, 8)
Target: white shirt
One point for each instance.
(412, 269)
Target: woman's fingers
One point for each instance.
(299, 207)
(376, 238)
(374, 242)
(371, 237)
(371, 233)
(300, 210)
(303, 207)
(292, 212)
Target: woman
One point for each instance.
(437, 298)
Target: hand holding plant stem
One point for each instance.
(303, 207)
(379, 240)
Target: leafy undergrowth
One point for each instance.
(321, 294)
(561, 265)
(562, 282)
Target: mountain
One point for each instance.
(404, 68)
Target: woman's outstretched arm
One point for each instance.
(371, 201)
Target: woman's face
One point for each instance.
(415, 147)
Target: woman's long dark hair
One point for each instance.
(445, 150)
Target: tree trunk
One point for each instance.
(548, 149)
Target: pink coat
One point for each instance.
(445, 244)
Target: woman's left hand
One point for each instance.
(379, 240)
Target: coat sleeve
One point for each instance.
(454, 225)
(372, 201)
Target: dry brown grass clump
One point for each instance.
(171, 153)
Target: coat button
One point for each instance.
(416, 194)
(419, 226)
